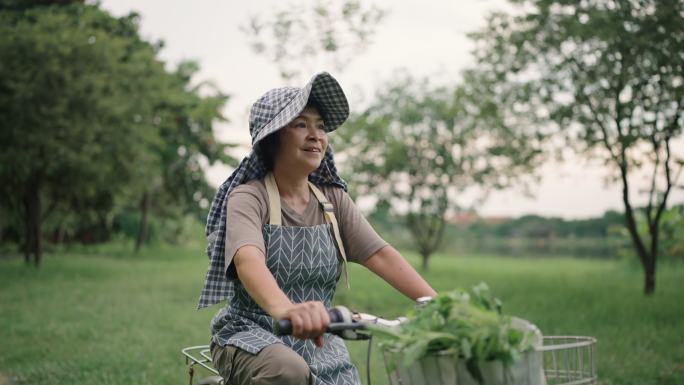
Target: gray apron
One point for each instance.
(306, 266)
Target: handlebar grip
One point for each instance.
(283, 327)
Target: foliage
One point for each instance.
(607, 76)
(469, 325)
(672, 230)
(297, 35)
(187, 115)
(599, 237)
(92, 121)
(171, 227)
(530, 235)
(542, 227)
(71, 125)
(417, 148)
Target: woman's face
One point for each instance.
(303, 142)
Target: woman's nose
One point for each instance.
(315, 133)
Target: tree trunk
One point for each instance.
(427, 232)
(142, 231)
(25, 247)
(32, 205)
(649, 275)
(647, 259)
(650, 266)
(28, 235)
(59, 239)
(425, 257)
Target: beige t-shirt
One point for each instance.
(248, 212)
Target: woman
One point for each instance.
(281, 230)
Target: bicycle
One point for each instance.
(562, 360)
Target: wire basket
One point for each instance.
(569, 360)
(561, 360)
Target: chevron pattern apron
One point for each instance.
(305, 263)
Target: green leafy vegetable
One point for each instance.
(468, 324)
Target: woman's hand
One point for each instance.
(309, 319)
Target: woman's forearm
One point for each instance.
(393, 268)
(250, 264)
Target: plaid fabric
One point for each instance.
(280, 106)
(271, 112)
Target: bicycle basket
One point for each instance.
(569, 360)
(562, 360)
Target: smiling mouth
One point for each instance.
(316, 150)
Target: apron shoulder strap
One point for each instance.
(273, 200)
(329, 213)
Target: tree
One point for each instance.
(606, 76)
(328, 31)
(186, 115)
(418, 148)
(70, 125)
(91, 120)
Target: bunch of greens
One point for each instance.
(469, 325)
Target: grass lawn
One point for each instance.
(108, 317)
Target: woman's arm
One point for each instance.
(393, 268)
(309, 319)
(360, 240)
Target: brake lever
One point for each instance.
(373, 319)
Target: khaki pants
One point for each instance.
(275, 364)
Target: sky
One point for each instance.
(424, 38)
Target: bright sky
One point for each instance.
(426, 38)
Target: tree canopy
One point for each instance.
(91, 118)
(322, 32)
(608, 77)
(417, 148)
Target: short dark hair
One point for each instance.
(267, 148)
(313, 103)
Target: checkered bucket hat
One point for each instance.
(271, 112)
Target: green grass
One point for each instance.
(115, 318)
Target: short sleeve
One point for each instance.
(358, 237)
(243, 224)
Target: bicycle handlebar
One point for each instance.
(337, 317)
(343, 323)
